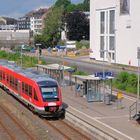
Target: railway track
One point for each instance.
(68, 131)
(11, 128)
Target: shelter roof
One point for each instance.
(54, 67)
(91, 77)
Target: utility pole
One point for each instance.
(22, 43)
(138, 84)
(138, 56)
(38, 44)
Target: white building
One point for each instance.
(115, 30)
(37, 20)
(36, 24)
(33, 20)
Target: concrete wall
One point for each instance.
(10, 37)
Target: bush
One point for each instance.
(80, 73)
(127, 82)
(82, 44)
(27, 61)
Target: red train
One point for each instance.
(39, 92)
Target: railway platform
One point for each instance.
(112, 119)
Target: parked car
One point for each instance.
(25, 48)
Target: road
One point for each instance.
(83, 63)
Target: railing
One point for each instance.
(133, 110)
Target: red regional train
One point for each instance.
(39, 92)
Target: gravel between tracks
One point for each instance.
(32, 122)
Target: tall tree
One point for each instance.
(86, 4)
(64, 3)
(53, 25)
(77, 26)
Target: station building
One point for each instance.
(115, 31)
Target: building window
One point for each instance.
(124, 7)
(102, 19)
(102, 46)
(107, 32)
(113, 56)
(111, 43)
(112, 22)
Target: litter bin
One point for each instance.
(107, 99)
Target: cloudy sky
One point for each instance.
(17, 8)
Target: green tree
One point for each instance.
(40, 39)
(53, 25)
(64, 3)
(86, 4)
(71, 8)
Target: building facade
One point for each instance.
(33, 21)
(7, 23)
(24, 23)
(115, 31)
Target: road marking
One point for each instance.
(130, 138)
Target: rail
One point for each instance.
(68, 132)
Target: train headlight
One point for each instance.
(60, 107)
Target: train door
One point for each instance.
(19, 88)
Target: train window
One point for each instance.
(0, 75)
(12, 83)
(3, 77)
(35, 95)
(23, 88)
(49, 93)
(10, 80)
(16, 84)
(30, 91)
(26, 89)
(7, 78)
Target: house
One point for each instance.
(34, 21)
(7, 23)
(115, 31)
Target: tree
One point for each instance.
(63, 3)
(77, 26)
(71, 8)
(86, 4)
(53, 25)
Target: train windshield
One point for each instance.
(49, 93)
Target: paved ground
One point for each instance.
(110, 118)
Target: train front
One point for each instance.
(51, 98)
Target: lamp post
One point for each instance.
(103, 51)
(21, 54)
(38, 44)
(22, 43)
(138, 56)
(63, 75)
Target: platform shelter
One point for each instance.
(94, 87)
(55, 71)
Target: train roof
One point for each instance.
(30, 73)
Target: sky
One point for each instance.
(18, 8)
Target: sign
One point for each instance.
(103, 74)
(71, 70)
